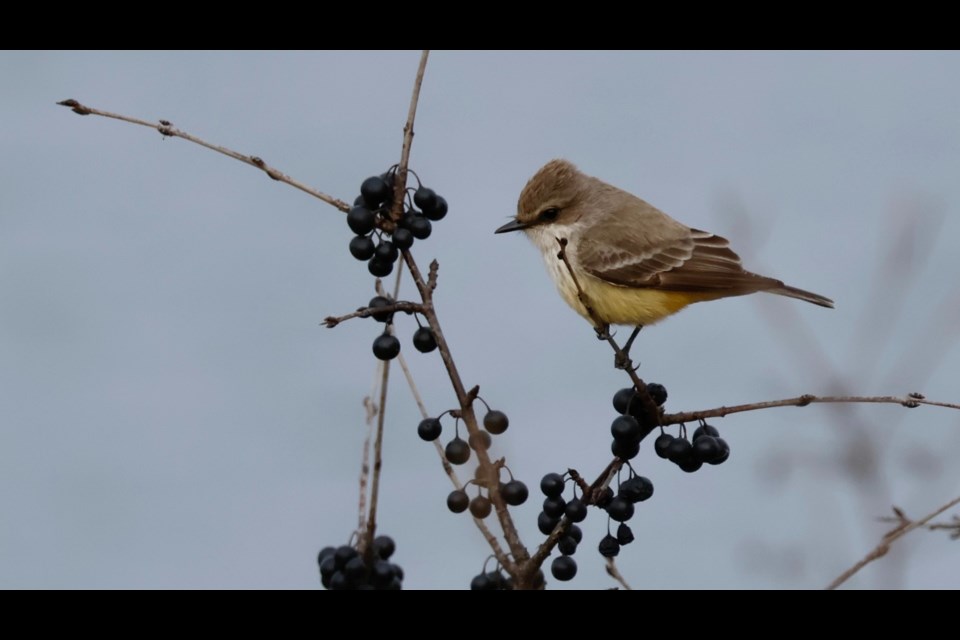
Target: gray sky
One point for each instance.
(173, 415)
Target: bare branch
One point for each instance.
(889, 538)
(365, 312)
(614, 573)
(167, 129)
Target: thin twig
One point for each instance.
(614, 573)
(371, 410)
(881, 549)
(365, 312)
(366, 542)
(167, 129)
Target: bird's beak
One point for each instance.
(513, 225)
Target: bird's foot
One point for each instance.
(622, 359)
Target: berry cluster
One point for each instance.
(457, 450)
(620, 508)
(343, 568)
(554, 508)
(514, 493)
(379, 239)
(626, 428)
(707, 447)
(386, 346)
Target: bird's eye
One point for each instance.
(549, 215)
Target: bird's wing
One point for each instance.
(677, 258)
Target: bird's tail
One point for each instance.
(800, 294)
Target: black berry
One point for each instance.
(662, 445)
(402, 238)
(567, 546)
(706, 448)
(480, 507)
(563, 568)
(419, 226)
(636, 489)
(554, 506)
(705, 430)
(623, 399)
(625, 451)
(620, 509)
(658, 392)
(362, 247)
(386, 252)
(425, 198)
(386, 347)
(375, 191)
(724, 452)
(575, 532)
(429, 429)
(361, 220)
(458, 501)
(423, 340)
(625, 429)
(495, 422)
(379, 268)
(624, 534)
(546, 524)
(457, 451)
(384, 546)
(377, 302)
(514, 493)
(609, 547)
(438, 210)
(576, 511)
(552, 485)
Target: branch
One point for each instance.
(889, 538)
(365, 312)
(614, 573)
(167, 129)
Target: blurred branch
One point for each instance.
(889, 538)
(614, 573)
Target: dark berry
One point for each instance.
(355, 570)
(658, 392)
(358, 200)
(575, 532)
(362, 247)
(457, 451)
(625, 451)
(567, 546)
(552, 485)
(625, 429)
(384, 546)
(379, 268)
(386, 252)
(425, 198)
(458, 501)
(480, 507)
(495, 422)
(636, 489)
(609, 547)
(563, 568)
(546, 524)
(514, 493)
(620, 509)
(480, 440)
(429, 429)
(705, 430)
(724, 452)
(423, 340)
(402, 238)
(662, 445)
(690, 464)
(326, 551)
(386, 347)
(374, 191)
(496, 579)
(419, 226)
(343, 555)
(679, 450)
(576, 511)
(361, 220)
(376, 303)
(604, 498)
(623, 399)
(706, 448)
(381, 574)
(397, 571)
(339, 582)
(624, 534)
(438, 210)
(481, 582)
(327, 567)
(554, 506)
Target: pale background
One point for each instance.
(173, 415)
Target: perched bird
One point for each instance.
(634, 264)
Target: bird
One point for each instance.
(630, 262)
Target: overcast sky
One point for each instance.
(172, 414)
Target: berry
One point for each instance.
(563, 568)
(576, 511)
(724, 452)
(662, 445)
(327, 567)
(339, 582)
(377, 302)
(384, 546)
(374, 191)
(381, 574)
(481, 582)
(554, 506)
(604, 498)
(495, 422)
(706, 448)
(379, 268)
(690, 465)
(514, 493)
(458, 501)
(481, 441)
(386, 347)
(429, 429)
(362, 247)
(679, 450)
(343, 555)
(567, 545)
(457, 451)
(386, 252)
(546, 524)
(705, 430)
(552, 485)
(438, 210)
(624, 534)
(361, 220)
(575, 532)
(609, 547)
(658, 392)
(402, 238)
(326, 551)
(423, 340)
(480, 507)
(419, 226)
(636, 489)
(425, 198)
(625, 451)
(623, 399)
(620, 509)
(625, 429)
(355, 570)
